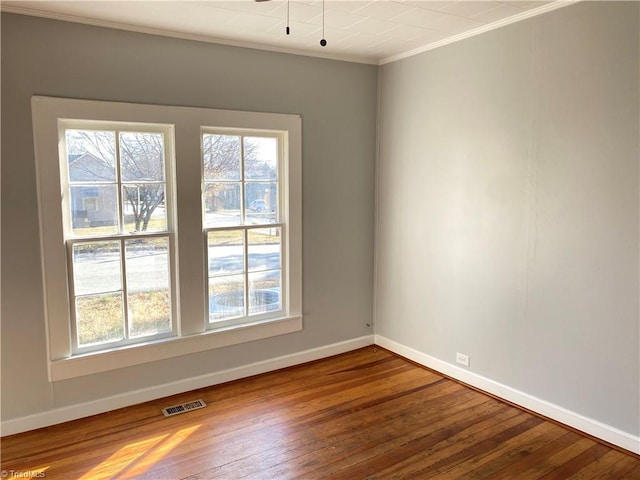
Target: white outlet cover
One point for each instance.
(462, 359)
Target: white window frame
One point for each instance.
(281, 138)
(190, 255)
(71, 239)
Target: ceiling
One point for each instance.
(363, 31)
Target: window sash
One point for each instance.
(247, 317)
(127, 339)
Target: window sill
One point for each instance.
(97, 362)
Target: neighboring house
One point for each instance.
(93, 196)
(261, 191)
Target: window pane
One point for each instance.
(141, 157)
(99, 319)
(96, 268)
(147, 265)
(94, 209)
(260, 158)
(264, 292)
(148, 286)
(144, 208)
(226, 297)
(222, 204)
(264, 249)
(149, 313)
(221, 157)
(226, 252)
(91, 156)
(261, 202)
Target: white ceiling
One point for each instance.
(365, 31)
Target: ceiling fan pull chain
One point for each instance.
(287, 30)
(323, 42)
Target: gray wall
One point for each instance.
(508, 207)
(337, 101)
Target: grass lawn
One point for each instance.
(100, 319)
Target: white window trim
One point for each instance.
(190, 249)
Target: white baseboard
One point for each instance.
(562, 415)
(592, 427)
(73, 412)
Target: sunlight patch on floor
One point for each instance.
(137, 457)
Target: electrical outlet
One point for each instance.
(462, 359)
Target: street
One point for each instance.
(147, 269)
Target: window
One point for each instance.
(136, 265)
(117, 231)
(243, 225)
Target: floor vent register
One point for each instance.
(183, 408)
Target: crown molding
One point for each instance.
(477, 31)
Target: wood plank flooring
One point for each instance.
(364, 414)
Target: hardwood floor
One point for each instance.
(364, 414)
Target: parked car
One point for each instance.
(258, 206)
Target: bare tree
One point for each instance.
(141, 162)
(221, 155)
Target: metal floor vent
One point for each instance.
(183, 407)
